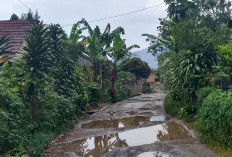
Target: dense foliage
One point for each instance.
(36, 102)
(135, 66)
(194, 54)
(215, 118)
(43, 93)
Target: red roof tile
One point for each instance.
(15, 30)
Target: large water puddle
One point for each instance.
(121, 123)
(153, 154)
(95, 146)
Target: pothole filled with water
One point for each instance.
(153, 154)
(132, 113)
(159, 103)
(121, 123)
(95, 146)
(116, 123)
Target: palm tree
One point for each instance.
(4, 48)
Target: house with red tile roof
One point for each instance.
(15, 31)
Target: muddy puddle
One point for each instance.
(116, 123)
(132, 113)
(95, 146)
(121, 123)
(153, 154)
(144, 108)
(159, 103)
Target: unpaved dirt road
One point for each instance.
(134, 127)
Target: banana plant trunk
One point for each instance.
(113, 80)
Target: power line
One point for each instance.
(24, 4)
(119, 15)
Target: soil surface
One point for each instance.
(135, 127)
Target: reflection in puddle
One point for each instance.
(96, 146)
(159, 103)
(153, 154)
(157, 118)
(121, 123)
(116, 123)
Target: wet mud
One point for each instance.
(148, 131)
(95, 146)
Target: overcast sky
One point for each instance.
(70, 11)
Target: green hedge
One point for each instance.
(93, 90)
(203, 93)
(176, 103)
(215, 118)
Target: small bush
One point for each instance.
(105, 96)
(176, 104)
(93, 90)
(146, 90)
(215, 118)
(122, 94)
(174, 101)
(203, 93)
(126, 78)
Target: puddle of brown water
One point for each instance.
(153, 154)
(147, 113)
(144, 108)
(116, 123)
(121, 123)
(131, 113)
(96, 146)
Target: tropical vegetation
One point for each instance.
(194, 53)
(44, 92)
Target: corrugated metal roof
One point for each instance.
(15, 30)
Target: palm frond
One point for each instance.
(4, 45)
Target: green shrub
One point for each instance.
(146, 90)
(203, 93)
(176, 104)
(12, 119)
(93, 90)
(105, 96)
(126, 78)
(215, 118)
(122, 94)
(173, 102)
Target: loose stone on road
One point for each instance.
(134, 127)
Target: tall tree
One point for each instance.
(37, 61)
(14, 17)
(135, 66)
(30, 15)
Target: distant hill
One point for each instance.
(146, 57)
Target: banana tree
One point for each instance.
(117, 52)
(97, 46)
